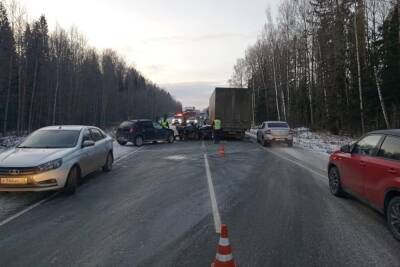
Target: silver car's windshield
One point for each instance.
(51, 139)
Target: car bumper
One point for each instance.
(47, 181)
(274, 138)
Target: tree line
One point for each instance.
(327, 64)
(50, 78)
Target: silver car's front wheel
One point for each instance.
(72, 181)
(109, 162)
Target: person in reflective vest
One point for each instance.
(217, 129)
(164, 123)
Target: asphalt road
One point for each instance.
(154, 209)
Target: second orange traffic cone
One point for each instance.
(224, 257)
(221, 150)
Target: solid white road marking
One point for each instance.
(22, 212)
(37, 204)
(214, 204)
(298, 164)
(292, 161)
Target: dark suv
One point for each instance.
(140, 131)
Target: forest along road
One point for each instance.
(154, 209)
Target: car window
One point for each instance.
(277, 125)
(126, 124)
(51, 139)
(86, 136)
(390, 148)
(367, 146)
(157, 126)
(96, 134)
(147, 124)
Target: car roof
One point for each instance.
(275, 122)
(66, 127)
(395, 132)
(139, 120)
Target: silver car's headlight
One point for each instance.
(51, 165)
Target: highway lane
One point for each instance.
(12, 203)
(154, 209)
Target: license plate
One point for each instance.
(14, 180)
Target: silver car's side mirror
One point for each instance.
(88, 143)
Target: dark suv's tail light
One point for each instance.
(131, 130)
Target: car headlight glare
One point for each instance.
(51, 165)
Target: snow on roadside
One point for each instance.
(119, 151)
(312, 148)
(321, 142)
(9, 142)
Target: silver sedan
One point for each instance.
(55, 158)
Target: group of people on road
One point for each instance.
(216, 126)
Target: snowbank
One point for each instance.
(321, 142)
(9, 142)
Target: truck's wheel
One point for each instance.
(109, 162)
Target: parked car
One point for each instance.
(55, 158)
(370, 171)
(274, 131)
(141, 131)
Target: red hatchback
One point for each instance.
(370, 171)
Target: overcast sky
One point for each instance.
(186, 46)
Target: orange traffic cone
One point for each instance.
(224, 256)
(221, 150)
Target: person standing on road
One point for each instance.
(217, 127)
(164, 123)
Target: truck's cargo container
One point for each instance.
(233, 107)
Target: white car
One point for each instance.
(55, 158)
(275, 131)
